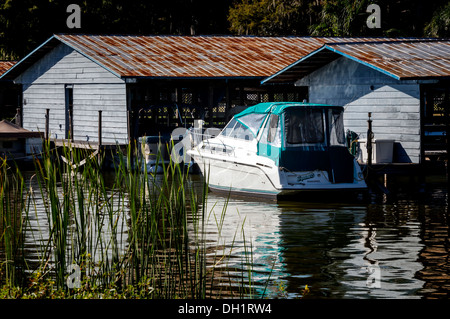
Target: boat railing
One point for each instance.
(210, 142)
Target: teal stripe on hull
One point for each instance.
(244, 190)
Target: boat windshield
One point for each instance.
(228, 128)
(253, 122)
(236, 129)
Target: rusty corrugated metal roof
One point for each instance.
(199, 56)
(196, 56)
(402, 60)
(6, 65)
(399, 58)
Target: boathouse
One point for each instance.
(118, 88)
(403, 84)
(138, 83)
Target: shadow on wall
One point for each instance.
(399, 154)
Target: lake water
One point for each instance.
(386, 247)
(383, 247)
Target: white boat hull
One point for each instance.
(257, 177)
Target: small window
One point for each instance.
(273, 128)
(336, 122)
(272, 131)
(304, 126)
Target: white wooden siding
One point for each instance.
(94, 89)
(395, 105)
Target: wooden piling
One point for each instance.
(47, 124)
(99, 136)
(369, 141)
(99, 129)
(18, 117)
(369, 174)
(131, 137)
(447, 131)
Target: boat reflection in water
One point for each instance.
(280, 149)
(339, 250)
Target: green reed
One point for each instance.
(11, 222)
(137, 233)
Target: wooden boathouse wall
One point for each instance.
(62, 72)
(394, 104)
(74, 88)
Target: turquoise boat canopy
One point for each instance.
(253, 118)
(296, 136)
(279, 107)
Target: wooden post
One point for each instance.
(18, 117)
(71, 125)
(47, 124)
(369, 151)
(129, 126)
(99, 129)
(447, 130)
(369, 140)
(99, 136)
(131, 138)
(179, 110)
(210, 106)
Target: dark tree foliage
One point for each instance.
(24, 24)
(407, 18)
(439, 25)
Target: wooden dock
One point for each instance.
(379, 176)
(86, 145)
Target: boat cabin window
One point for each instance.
(304, 126)
(272, 131)
(336, 122)
(273, 128)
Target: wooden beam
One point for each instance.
(47, 122)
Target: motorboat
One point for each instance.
(280, 148)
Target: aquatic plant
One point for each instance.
(11, 222)
(124, 233)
